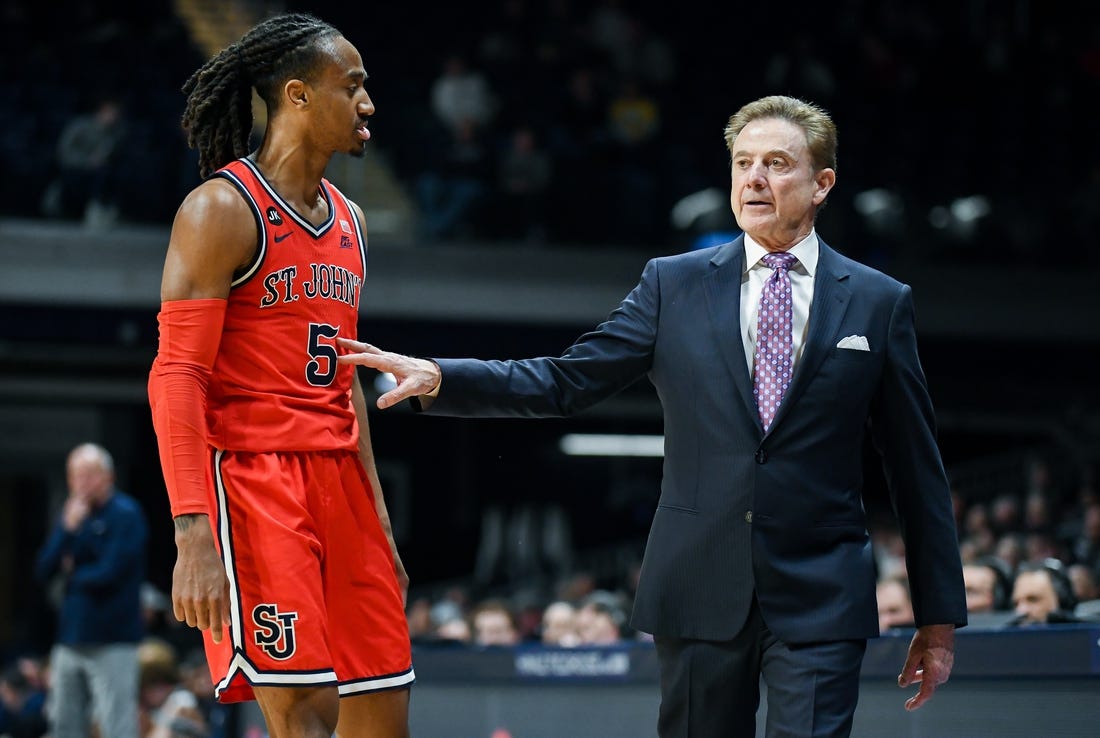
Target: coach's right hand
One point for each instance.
(200, 588)
(415, 377)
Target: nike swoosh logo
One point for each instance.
(281, 236)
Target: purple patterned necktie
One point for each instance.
(774, 355)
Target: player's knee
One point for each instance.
(375, 715)
(299, 713)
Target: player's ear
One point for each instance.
(296, 93)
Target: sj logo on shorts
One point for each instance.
(274, 630)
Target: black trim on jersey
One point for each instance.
(241, 277)
(358, 232)
(315, 231)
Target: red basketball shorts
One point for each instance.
(314, 596)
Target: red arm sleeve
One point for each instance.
(190, 331)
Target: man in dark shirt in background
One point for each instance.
(97, 548)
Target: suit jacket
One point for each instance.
(778, 514)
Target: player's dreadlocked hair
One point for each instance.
(218, 116)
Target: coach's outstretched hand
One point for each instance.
(414, 376)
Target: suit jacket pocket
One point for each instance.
(844, 354)
(678, 509)
(853, 524)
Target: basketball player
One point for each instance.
(285, 557)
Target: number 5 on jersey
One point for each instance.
(321, 369)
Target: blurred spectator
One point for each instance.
(456, 630)
(461, 96)
(449, 622)
(988, 583)
(87, 183)
(1040, 546)
(493, 624)
(195, 676)
(98, 550)
(888, 549)
(22, 705)
(1039, 477)
(450, 194)
(523, 178)
(633, 121)
(168, 708)
(1037, 514)
(1083, 579)
(527, 611)
(158, 677)
(601, 619)
(419, 617)
(633, 117)
(976, 520)
(35, 670)
(1010, 549)
(1006, 515)
(1043, 593)
(559, 625)
(580, 124)
(576, 587)
(1086, 546)
(578, 139)
(895, 608)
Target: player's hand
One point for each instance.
(402, 577)
(414, 376)
(200, 589)
(931, 656)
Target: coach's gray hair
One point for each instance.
(819, 127)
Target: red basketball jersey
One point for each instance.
(276, 385)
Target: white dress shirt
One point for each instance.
(802, 292)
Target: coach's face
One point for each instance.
(775, 189)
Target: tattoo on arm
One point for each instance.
(183, 522)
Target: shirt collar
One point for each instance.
(806, 251)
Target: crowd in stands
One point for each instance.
(570, 122)
(175, 694)
(90, 132)
(590, 122)
(1030, 556)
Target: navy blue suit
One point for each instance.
(744, 513)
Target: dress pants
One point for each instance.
(711, 689)
(94, 684)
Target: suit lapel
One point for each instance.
(722, 286)
(830, 301)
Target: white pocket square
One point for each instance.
(857, 343)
